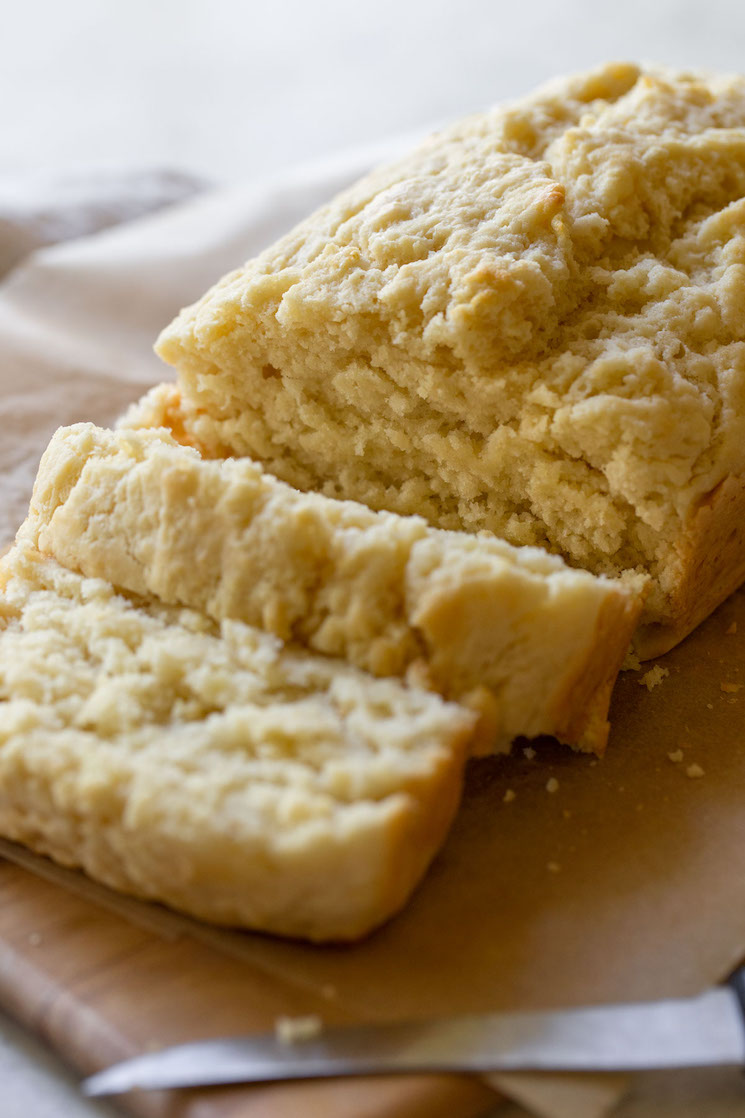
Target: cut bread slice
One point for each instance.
(532, 644)
(533, 324)
(207, 767)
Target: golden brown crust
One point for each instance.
(583, 714)
(711, 566)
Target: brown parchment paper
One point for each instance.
(626, 882)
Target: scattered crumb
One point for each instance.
(676, 756)
(709, 706)
(294, 1030)
(35, 939)
(529, 753)
(654, 677)
(731, 688)
(509, 796)
(553, 867)
(732, 629)
(693, 771)
(567, 813)
(328, 991)
(631, 662)
(552, 784)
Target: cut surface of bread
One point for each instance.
(207, 767)
(534, 324)
(534, 645)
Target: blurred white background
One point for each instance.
(236, 88)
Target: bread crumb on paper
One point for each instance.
(295, 1030)
(676, 756)
(654, 677)
(694, 771)
(631, 662)
(529, 752)
(552, 784)
(732, 629)
(553, 867)
(509, 796)
(731, 688)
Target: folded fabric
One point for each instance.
(38, 209)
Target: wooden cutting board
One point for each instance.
(594, 881)
(100, 986)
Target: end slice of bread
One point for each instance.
(205, 766)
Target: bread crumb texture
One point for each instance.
(530, 644)
(204, 765)
(654, 677)
(534, 324)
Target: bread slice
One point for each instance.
(532, 644)
(534, 324)
(207, 767)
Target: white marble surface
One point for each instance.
(231, 89)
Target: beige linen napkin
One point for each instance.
(38, 209)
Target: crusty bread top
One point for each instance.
(516, 631)
(534, 324)
(195, 762)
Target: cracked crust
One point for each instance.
(533, 324)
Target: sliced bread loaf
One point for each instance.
(205, 766)
(534, 324)
(514, 632)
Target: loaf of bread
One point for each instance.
(515, 633)
(534, 324)
(206, 766)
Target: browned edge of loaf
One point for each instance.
(582, 712)
(712, 564)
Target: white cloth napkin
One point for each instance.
(42, 209)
